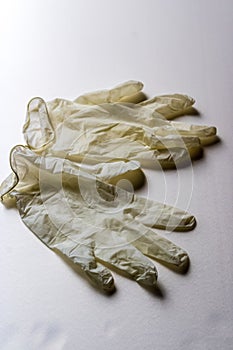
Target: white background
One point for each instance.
(56, 48)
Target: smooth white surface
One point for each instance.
(58, 48)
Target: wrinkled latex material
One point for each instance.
(73, 183)
(97, 133)
(90, 221)
(170, 106)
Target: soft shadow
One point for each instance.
(156, 291)
(215, 141)
(192, 111)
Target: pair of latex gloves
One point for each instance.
(66, 182)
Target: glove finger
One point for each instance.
(156, 247)
(174, 149)
(115, 94)
(159, 215)
(170, 106)
(38, 131)
(206, 134)
(163, 250)
(134, 98)
(117, 252)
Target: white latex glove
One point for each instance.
(97, 133)
(92, 222)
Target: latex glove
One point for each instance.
(114, 130)
(92, 222)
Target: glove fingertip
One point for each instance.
(149, 277)
(108, 284)
(190, 223)
(184, 263)
(102, 278)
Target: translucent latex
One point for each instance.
(92, 222)
(95, 133)
(65, 182)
